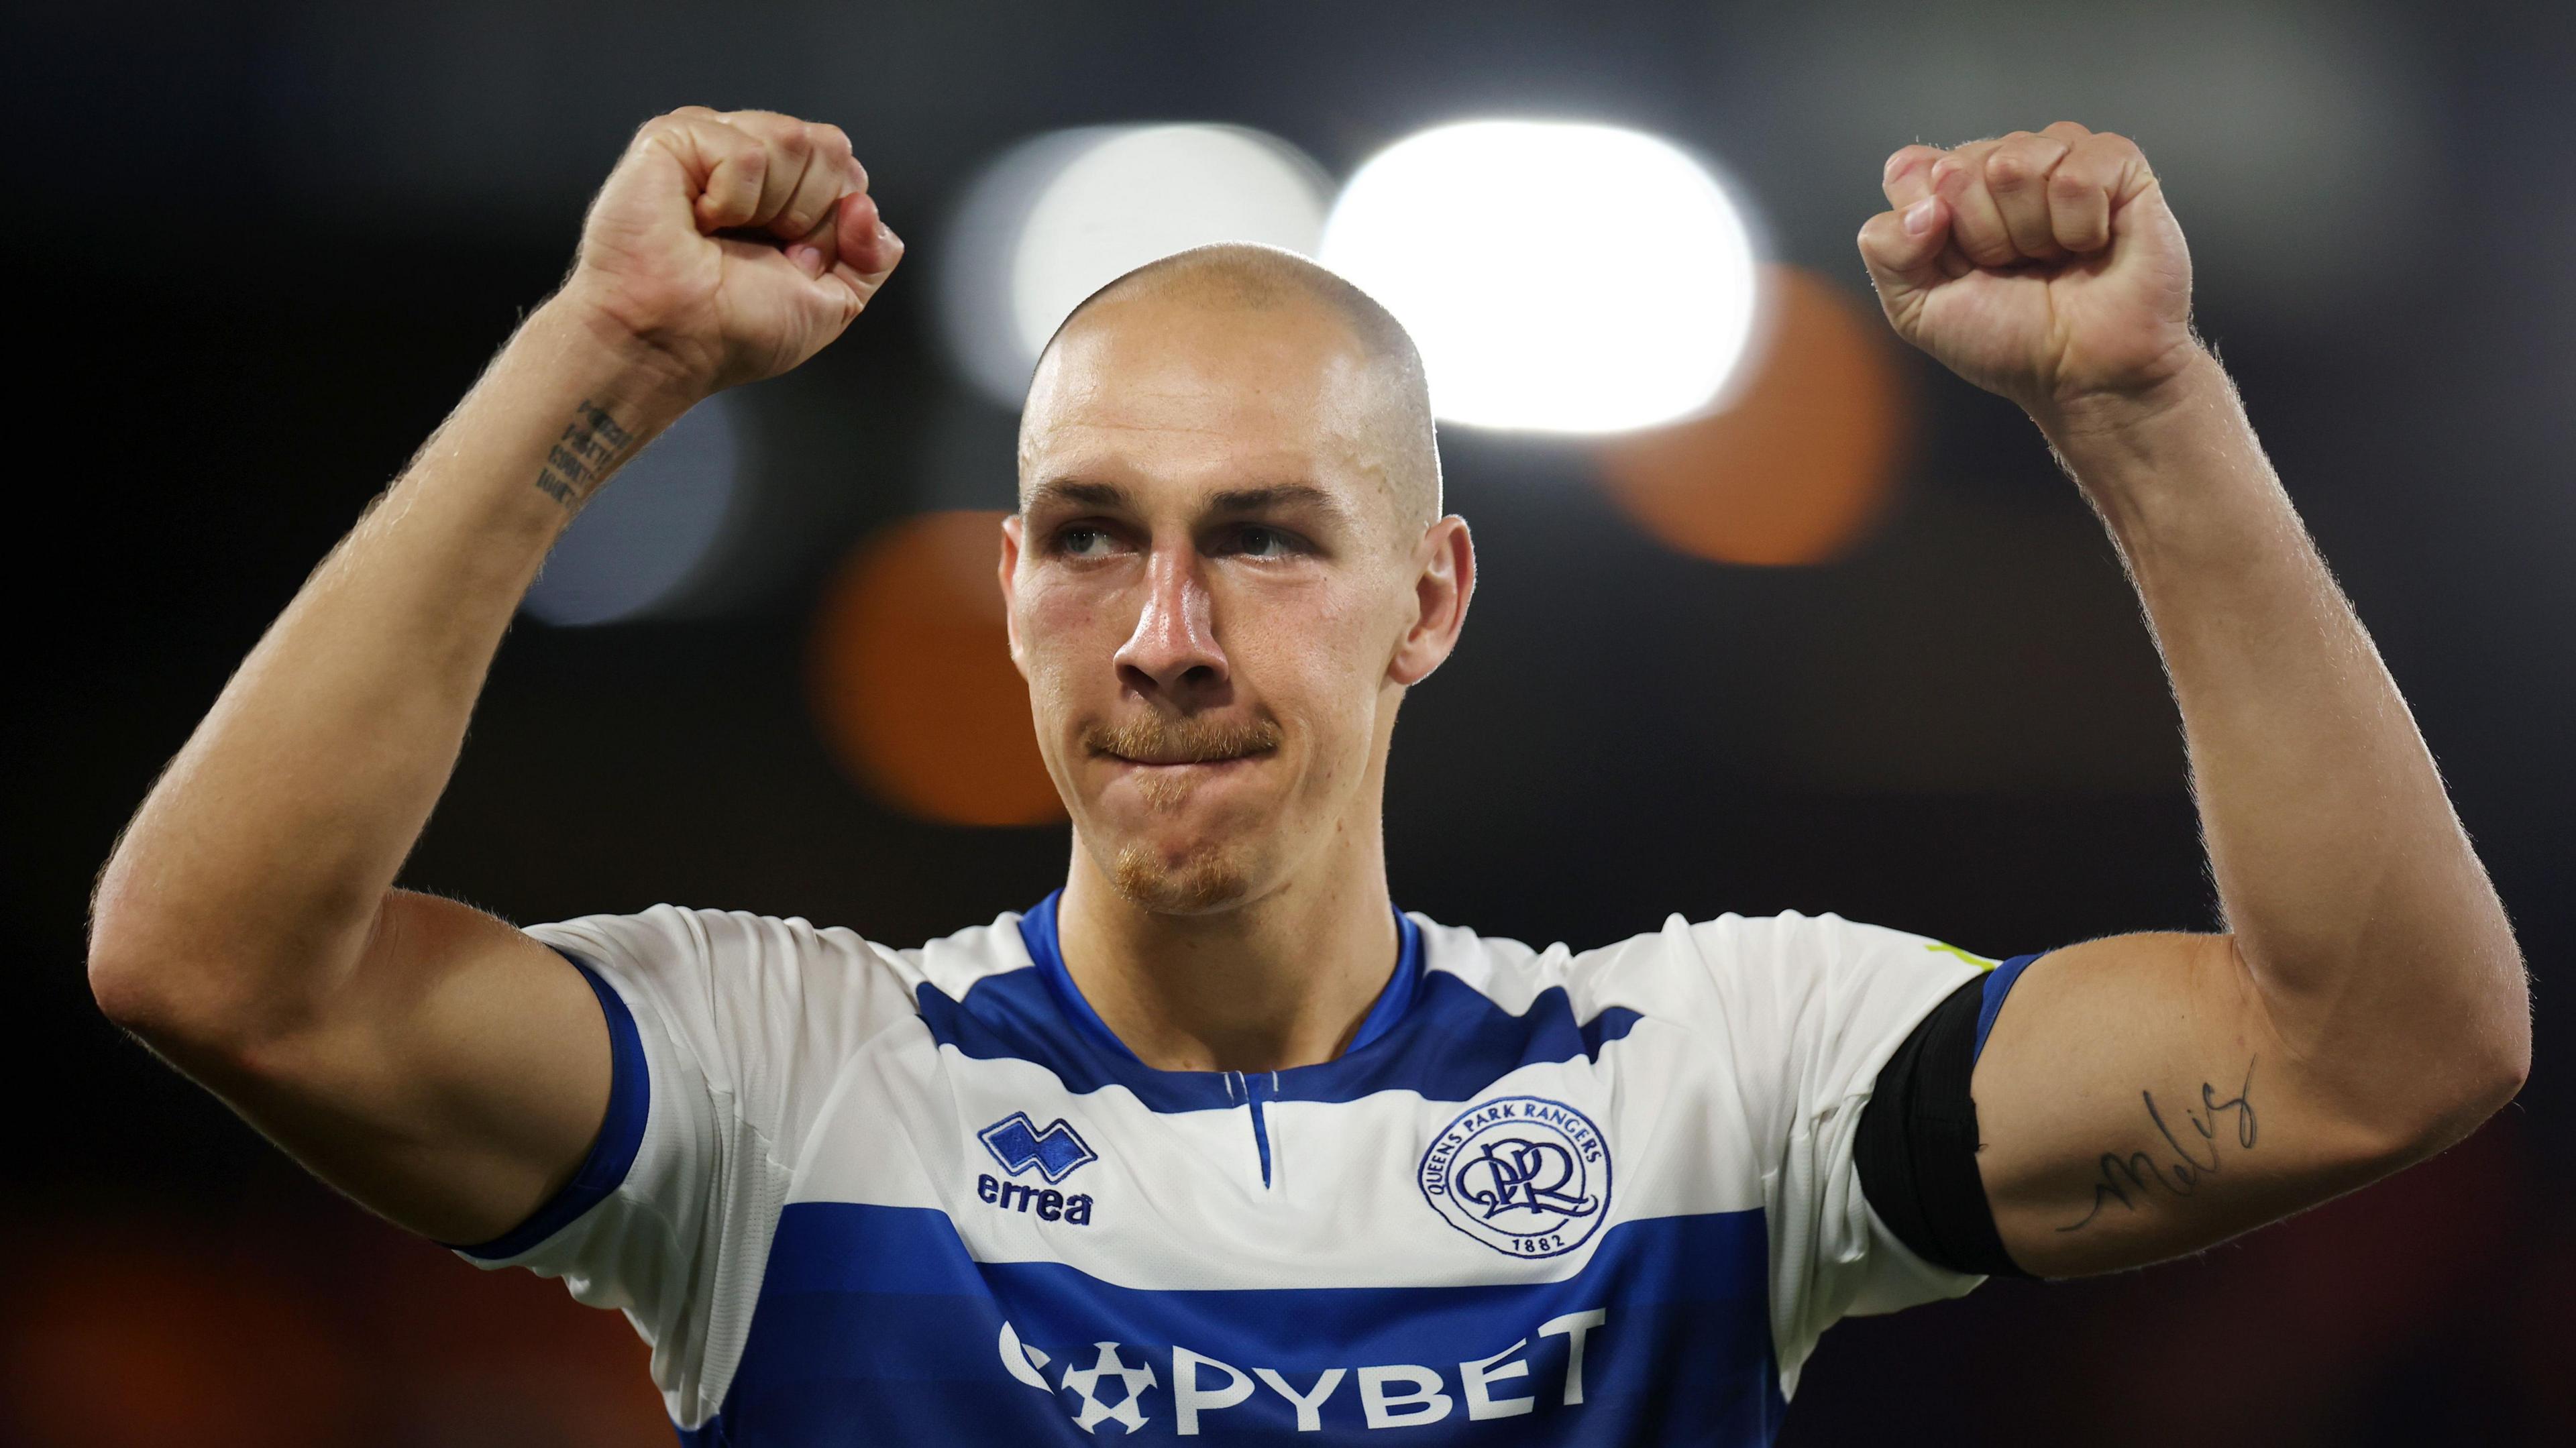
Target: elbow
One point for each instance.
(2507, 1069)
(2484, 1090)
(2486, 1073)
(132, 980)
(122, 979)
(2502, 1059)
(128, 961)
(171, 994)
(205, 986)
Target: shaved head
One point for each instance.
(1265, 290)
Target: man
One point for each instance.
(1214, 1142)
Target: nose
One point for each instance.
(1173, 650)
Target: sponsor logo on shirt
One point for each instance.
(1118, 1384)
(1524, 1175)
(1054, 1154)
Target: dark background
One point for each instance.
(257, 252)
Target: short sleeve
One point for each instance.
(726, 1033)
(1814, 1006)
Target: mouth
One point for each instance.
(1215, 764)
(1170, 760)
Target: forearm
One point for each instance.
(256, 865)
(2356, 902)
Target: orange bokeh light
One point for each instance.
(912, 678)
(1800, 461)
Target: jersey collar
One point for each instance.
(1038, 933)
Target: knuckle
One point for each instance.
(2024, 158)
(754, 127)
(2072, 180)
(734, 188)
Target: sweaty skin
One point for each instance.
(1228, 569)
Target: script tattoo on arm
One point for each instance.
(592, 444)
(2197, 1158)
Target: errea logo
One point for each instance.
(1018, 1145)
(1054, 1154)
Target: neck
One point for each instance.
(1280, 981)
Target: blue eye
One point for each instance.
(1082, 542)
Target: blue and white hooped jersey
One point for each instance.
(855, 1195)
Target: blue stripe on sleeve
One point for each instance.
(1999, 983)
(612, 1152)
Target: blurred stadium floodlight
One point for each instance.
(1058, 216)
(637, 546)
(1558, 276)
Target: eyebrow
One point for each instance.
(1071, 493)
(1232, 502)
(1278, 497)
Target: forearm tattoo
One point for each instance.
(2195, 1153)
(591, 445)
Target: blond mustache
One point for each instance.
(1193, 739)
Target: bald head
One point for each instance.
(1279, 314)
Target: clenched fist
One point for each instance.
(734, 244)
(2043, 266)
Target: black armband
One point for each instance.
(1916, 1145)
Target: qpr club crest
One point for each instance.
(1524, 1175)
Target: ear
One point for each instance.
(1444, 581)
(1009, 573)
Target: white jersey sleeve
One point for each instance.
(1810, 1008)
(727, 1030)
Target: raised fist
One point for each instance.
(2043, 266)
(735, 244)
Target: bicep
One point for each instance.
(2133, 1104)
(451, 1082)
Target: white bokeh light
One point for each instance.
(637, 547)
(1058, 216)
(1557, 276)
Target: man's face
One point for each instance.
(1213, 591)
